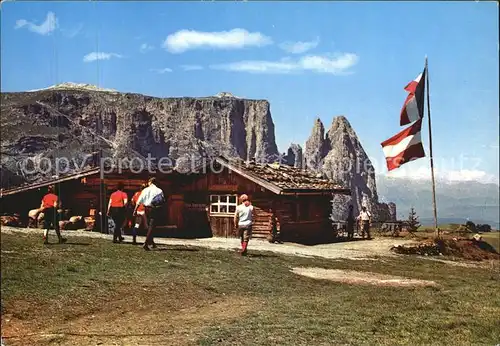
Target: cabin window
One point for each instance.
(223, 204)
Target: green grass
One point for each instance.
(444, 227)
(52, 288)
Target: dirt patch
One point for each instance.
(459, 248)
(126, 323)
(145, 318)
(361, 278)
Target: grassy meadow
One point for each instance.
(91, 292)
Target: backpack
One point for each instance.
(158, 200)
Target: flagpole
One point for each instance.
(430, 150)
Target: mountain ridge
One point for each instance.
(456, 201)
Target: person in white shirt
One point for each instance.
(365, 218)
(243, 217)
(148, 198)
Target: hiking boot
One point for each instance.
(62, 240)
(146, 247)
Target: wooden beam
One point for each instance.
(50, 182)
(259, 181)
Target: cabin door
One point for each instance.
(176, 210)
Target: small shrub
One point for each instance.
(413, 224)
(471, 226)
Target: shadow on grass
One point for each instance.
(261, 255)
(68, 243)
(176, 249)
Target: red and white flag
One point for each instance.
(404, 147)
(413, 108)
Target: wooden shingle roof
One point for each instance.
(283, 178)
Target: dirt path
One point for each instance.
(361, 278)
(347, 250)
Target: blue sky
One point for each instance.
(309, 59)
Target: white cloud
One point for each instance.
(145, 48)
(100, 56)
(161, 70)
(471, 175)
(338, 64)
(191, 67)
(184, 40)
(424, 173)
(299, 47)
(258, 66)
(49, 25)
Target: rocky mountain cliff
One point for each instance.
(340, 156)
(74, 121)
(294, 156)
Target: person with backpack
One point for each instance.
(152, 198)
(48, 207)
(117, 210)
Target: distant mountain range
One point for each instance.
(457, 202)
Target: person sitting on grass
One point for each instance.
(49, 206)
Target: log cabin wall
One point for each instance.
(91, 191)
(303, 218)
(211, 198)
(21, 203)
(199, 205)
(82, 194)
